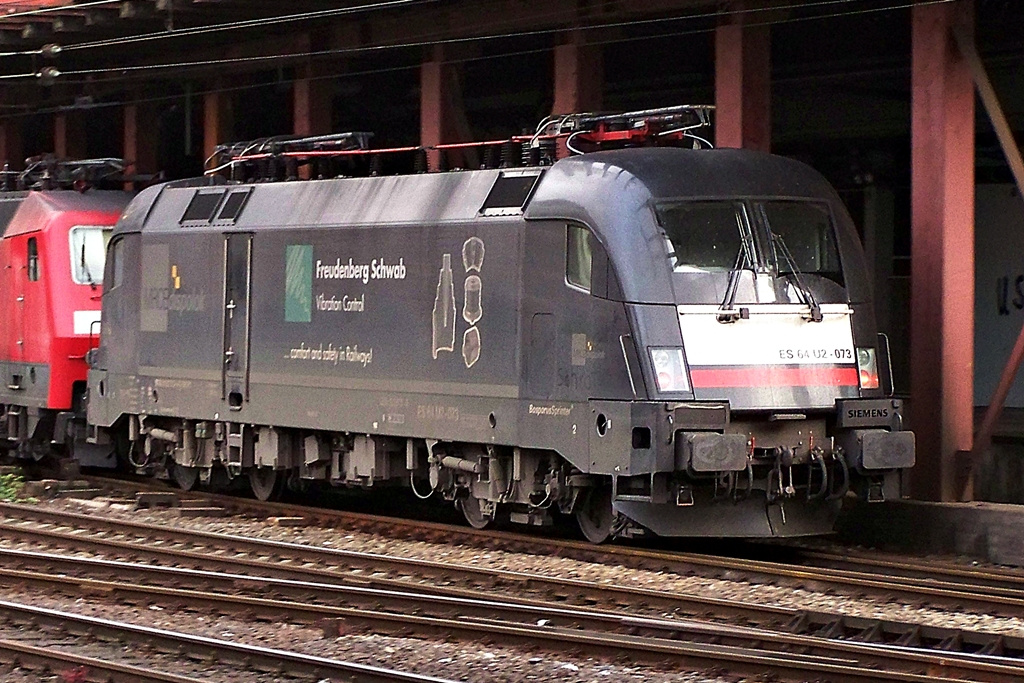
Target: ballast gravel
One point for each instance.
(461, 660)
(454, 661)
(734, 589)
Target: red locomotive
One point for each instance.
(55, 227)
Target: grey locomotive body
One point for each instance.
(668, 340)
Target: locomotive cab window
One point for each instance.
(703, 235)
(88, 245)
(801, 239)
(579, 257)
(33, 260)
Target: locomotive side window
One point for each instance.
(33, 260)
(704, 235)
(117, 264)
(802, 238)
(88, 245)
(579, 258)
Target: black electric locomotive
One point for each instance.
(666, 340)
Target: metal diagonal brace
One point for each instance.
(969, 51)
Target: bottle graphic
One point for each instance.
(472, 310)
(473, 254)
(444, 309)
(471, 346)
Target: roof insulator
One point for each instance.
(50, 50)
(48, 74)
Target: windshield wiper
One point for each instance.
(85, 269)
(727, 312)
(794, 272)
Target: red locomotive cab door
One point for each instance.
(26, 271)
(237, 296)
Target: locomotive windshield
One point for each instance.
(88, 252)
(704, 236)
(790, 242)
(804, 230)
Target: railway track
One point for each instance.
(247, 657)
(991, 590)
(696, 643)
(292, 572)
(83, 668)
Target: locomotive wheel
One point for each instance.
(264, 482)
(185, 477)
(594, 514)
(470, 507)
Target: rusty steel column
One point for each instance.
(69, 136)
(312, 101)
(12, 148)
(743, 85)
(442, 113)
(579, 76)
(942, 250)
(311, 106)
(218, 120)
(140, 139)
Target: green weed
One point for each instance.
(11, 486)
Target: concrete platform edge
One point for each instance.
(990, 532)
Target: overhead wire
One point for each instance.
(427, 41)
(512, 34)
(243, 24)
(46, 10)
(515, 53)
(57, 8)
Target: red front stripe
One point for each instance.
(774, 375)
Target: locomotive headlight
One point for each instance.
(670, 370)
(867, 368)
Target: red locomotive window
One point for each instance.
(33, 260)
(88, 245)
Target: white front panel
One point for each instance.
(774, 334)
(84, 322)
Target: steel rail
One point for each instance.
(750, 660)
(473, 618)
(226, 651)
(983, 597)
(909, 568)
(942, 576)
(101, 670)
(302, 580)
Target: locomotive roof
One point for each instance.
(667, 173)
(9, 203)
(37, 208)
(572, 188)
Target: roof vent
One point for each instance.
(510, 192)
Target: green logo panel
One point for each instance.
(298, 283)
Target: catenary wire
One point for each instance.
(393, 69)
(536, 16)
(247, 23)
(519, 34)
(426, 40)
(46, 10)
(58, 8)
